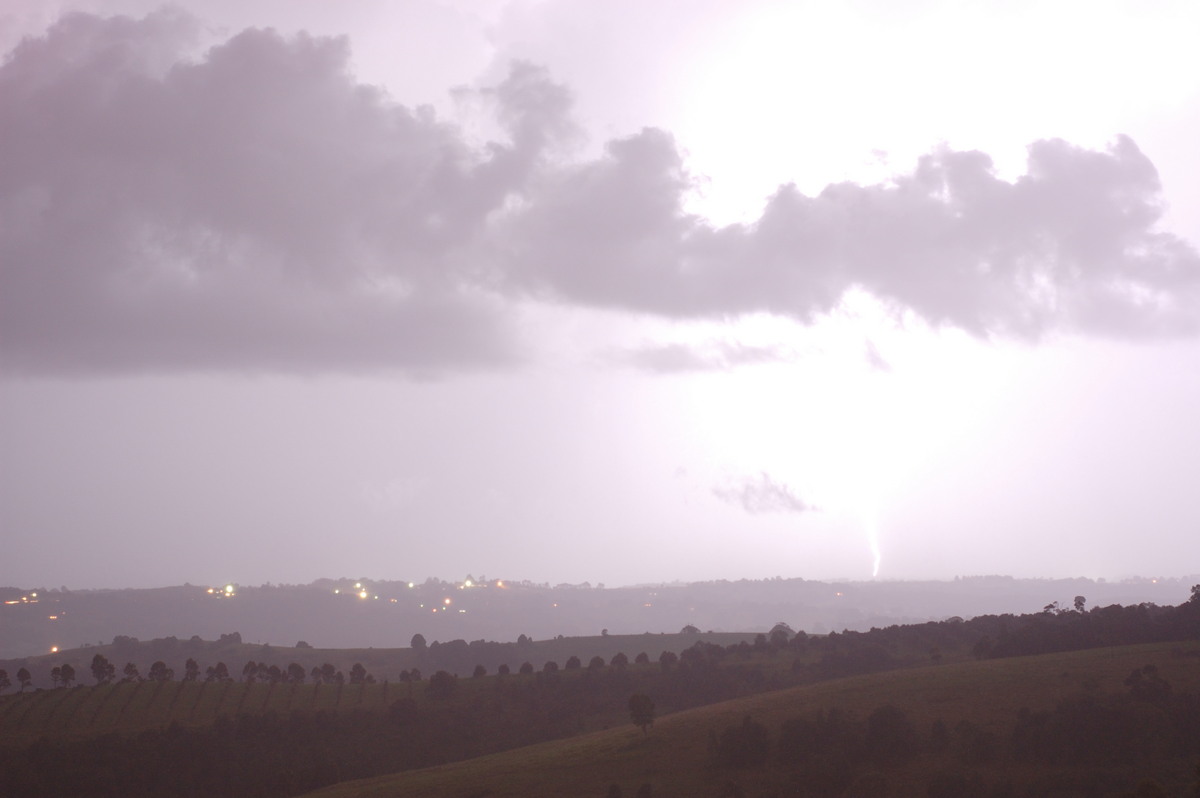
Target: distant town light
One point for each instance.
(336, 591)
(358, 585)
(35, 594)
(446, 602)
(229, 589)
(362, 594)
(410, 584)
(469, 583)
(53, 617)
(53, 649)
(211, 591)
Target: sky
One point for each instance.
(615, 292)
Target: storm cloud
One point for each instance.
(257, 208)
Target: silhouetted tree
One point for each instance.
(479, 672)
(526, 667)
(24, 678)
(67, 674)
(596, 663)
(191, 670)
(131, 673)
(295, 673)
(689, 630)
(55, 675)
(418, 642)
(667, 660)
(642, 658)
(159, 672)
(619, 661)
(103, 671)
(1080, 603)
(217, 673)
(328, 673)
(358, 674)
(5, 682)
(442, 684)
(641, 711)
(302, 644)
(573, 663)
(250, 671)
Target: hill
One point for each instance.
(980, 701)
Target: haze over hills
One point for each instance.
(359, 613)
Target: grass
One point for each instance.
(673, 758)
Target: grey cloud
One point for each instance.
(1072, 244)
(762, 494)
(254, 207)
(713, 356)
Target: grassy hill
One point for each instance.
(676, 759)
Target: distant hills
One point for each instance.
(361, 613)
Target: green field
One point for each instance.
(674, 757)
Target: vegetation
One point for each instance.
(992, 706)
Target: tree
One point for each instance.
(191, 670)
(418, 642)
(619, 661)
(24, 678)
(642, 659)
(250, 671)
(479, 672)
(159, 672)
(442, 684)
(131, 673)
(103, 671)
(55, 675)
(358, 674)
(573, 663)
(667, 660)
(5, 682)
(67, 674)
(596, 663)
(295, 673)
(503, 670)
(526, 667)
(641, 711)
(217, 673)
(1080, 603)
(328, 672)
(689, 630)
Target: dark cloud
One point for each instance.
(1071, 244)
(253, 208)
(762, 494)
(257, 208)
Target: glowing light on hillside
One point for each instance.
(53, 649)
(469, 583)
(337, 591)
(53, 617)
(446, 602)
(229, 590)
(362, 594)
(34, 595)
(211, 591)
(358, 585)
(410, 584)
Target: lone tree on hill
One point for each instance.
(641, 711)
(103, 671)
(24, 678)
(67, 674)
(418, 642)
